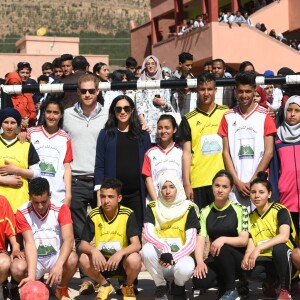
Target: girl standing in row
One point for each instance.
(53, 146)
(18, 161)
(286, 174)
(166, 155)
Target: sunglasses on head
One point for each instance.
(91, 91)
(126, 108)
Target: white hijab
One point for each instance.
(166, 211)
(288, 133)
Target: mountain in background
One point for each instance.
(70, 16)
(101, 25)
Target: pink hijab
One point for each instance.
(157, 75)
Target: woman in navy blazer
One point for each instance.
(120, 151)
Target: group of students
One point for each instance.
(173, 226)
(173, 229)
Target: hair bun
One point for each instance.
(262, 175)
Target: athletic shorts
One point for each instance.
(44, 265)
(203, 196)
(119, 272)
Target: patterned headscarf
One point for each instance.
(157, 75)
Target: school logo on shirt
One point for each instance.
(45, 247)
(109, 248)
(220, 217)
(37, 142)
(211, 144)
(175, 244)
(246, 149)
(48, 165)
(198, 123)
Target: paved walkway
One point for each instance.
(147, 288)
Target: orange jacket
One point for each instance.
(22, 102)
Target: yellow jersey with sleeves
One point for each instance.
(22, 155)
(201, 129)
(230, 220)
(173, 233)
(266, 226)
(110, 235)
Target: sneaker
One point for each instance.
(161, 292)
(62, 293)
(198, 292)
(230, 295)
(86, 288)
(284, 295)
(96, 287)
(128, 292)
(179, 292)
(104, 291)
(269, 289)
(122, 283)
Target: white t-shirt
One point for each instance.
(157, 160)
(245, 135)
(53, 151)
(46, 229)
